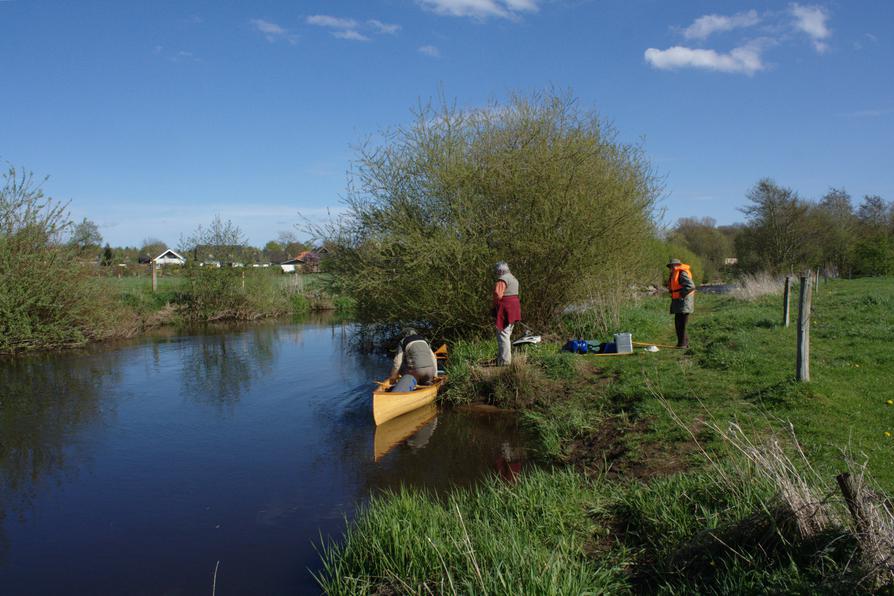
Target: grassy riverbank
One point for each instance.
(652, 492)
(115, 308)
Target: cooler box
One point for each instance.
(624, 341)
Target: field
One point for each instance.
(646, 488)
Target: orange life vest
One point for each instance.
(673, 284)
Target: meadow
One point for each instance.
(658, 468)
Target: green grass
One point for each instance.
(660, 517)
(558, 532)
(740, 367)
(267, 293)
(497, 539)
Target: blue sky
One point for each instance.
(152, 117)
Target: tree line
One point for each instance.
(222, 241)
(784, 232)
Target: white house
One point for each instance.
(290, 265)
(169, 257)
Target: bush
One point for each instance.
(47, 298)
(536, 182)
(214, 294)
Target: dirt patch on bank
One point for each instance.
(623, 445)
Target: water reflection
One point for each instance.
(219, 369)
(45, 402)
(423, 421)
(492, 440)
(102, 446)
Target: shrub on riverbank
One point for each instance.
(536, 182)
(47, 298)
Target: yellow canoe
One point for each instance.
(388, 405)
(394, 432)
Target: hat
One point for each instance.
(408, 331)
(674, 262)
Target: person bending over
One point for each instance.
(414, 362)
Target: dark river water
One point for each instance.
(136, 468)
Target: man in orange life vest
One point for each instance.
(682, 290)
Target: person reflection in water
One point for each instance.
(414, 362)
(508, 464)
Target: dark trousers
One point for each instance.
(680, 321)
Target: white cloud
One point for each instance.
(322, 20)
(812, 21)
(704, 26)
(350, 28)
(742, 60)
(431, 51)
(351, 35)
(481, 9)
(383, 28)
(870, 113)
(273, 32)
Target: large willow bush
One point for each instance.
(536, 182)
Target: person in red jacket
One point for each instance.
(506, 310)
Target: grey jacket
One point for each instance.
(686, 304)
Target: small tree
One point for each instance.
(107, 256)
(834, 230)
(776, 237)
(222, 241)
(152, 247)
(85, 235)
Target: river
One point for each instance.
(138, 468)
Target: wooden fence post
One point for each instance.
(786, 300)
(802, 366)
(154, 266)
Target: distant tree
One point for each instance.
(834, 226)
(702, 237)
(273, 252)
(107, 256)
(874, 256)
(873, 214)
(777, 231)
(153, 247)
(85, 235)
(290, 244)
(222, 241)
(286, 237)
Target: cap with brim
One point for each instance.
(673, 262)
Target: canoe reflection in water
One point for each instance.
(416, 428)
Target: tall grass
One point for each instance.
(730, 527)
(755, 285)
(527, 538)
